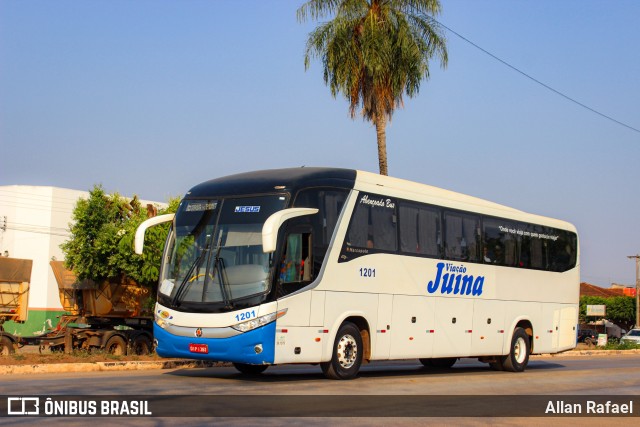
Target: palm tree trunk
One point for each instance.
(381, 125)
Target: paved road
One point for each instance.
(549, 375)
(617, 375)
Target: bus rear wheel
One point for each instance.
(247, 369)
(347, 354)
(518, 356)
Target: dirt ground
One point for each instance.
(30, 355)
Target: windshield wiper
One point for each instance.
(220, 268)
(184, 285)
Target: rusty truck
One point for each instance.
(107, 315)
(15, 276)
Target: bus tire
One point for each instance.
(247, 369)
(6, 346)
(116, 345)
(518, 356)
(346, 355)
(141, 345)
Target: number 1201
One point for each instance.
(368, 272)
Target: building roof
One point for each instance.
(589, 290)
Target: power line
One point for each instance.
(27, 230)
(546, 86)
(19, 224)
(46, 197)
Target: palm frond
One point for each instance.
(375, 51)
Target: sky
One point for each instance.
(151, 97)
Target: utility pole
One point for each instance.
(637, 257)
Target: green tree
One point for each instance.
(619, 310)
(373, 52)
(102, 234)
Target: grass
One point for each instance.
(621, 346)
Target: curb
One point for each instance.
(56, 368)
(573, 353)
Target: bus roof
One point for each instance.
(275, 180)
(293, 179)
(367, 181)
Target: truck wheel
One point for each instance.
(6, 346)
(247, 369)
(518, 356)
(141, 345)
(347, 354)
(117, 346)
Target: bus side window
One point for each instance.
(462, 236)
(373, 224)
(296, 266)
(419, 229)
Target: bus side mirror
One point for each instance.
(273, 223)
(139, 240)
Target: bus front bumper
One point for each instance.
(254, 347)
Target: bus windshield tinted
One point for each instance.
(214, 257)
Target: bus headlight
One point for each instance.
(161, 322)
(252, 324)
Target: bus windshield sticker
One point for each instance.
(166, 287)
(201, 206)
(247, 209)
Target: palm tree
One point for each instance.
(374, 51)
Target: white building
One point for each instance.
(34, 222)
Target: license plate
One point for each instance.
(199, 348)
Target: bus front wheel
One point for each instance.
(518, 356)
(347, 354)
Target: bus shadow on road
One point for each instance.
(288, 373)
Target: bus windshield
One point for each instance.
(214, 256)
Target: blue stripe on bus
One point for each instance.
(239, 348)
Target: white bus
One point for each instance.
(341, 267)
